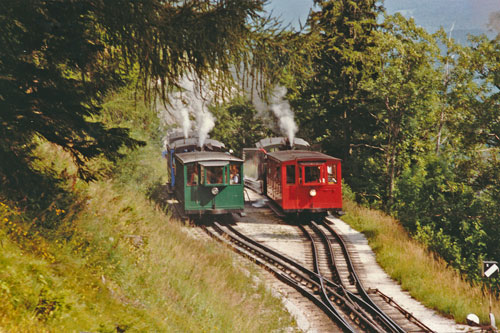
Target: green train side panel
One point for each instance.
(180, 180)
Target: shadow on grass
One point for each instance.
(370, 234)
(39, 195)
(159, 194)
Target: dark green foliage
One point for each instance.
(239, 126)
(441, 203)
(52, 82)
(330, 101)
(168, 38)
(449, 197)
(402, 98)
(415, 118)
(58, 59)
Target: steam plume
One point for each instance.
(205, 121)
(192, 99)
(281, 110)
(277, 103)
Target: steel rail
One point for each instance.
(331, 256)
(366, 303)
(361, 290)
(378, 315)
(286, 277)
(367, 322)
(331, 287)
(336, 288)
(329, 284)
(317, 271)
(407, 314)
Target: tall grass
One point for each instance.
(105, 258)
(425, 275)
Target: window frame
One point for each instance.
(318, 182)
(333, 165)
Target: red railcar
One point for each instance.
(304, 181)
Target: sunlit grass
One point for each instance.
(105, 257)
(425, 275)
(111, 260)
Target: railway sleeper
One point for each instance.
(316, 291)
(264, 262)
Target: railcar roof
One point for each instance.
(292, 155)
(194, 142)
(178, 134)
(280, 141)
(202, 156)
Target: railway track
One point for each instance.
(331, 283)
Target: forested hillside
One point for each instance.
(414, 116)
(417, 127)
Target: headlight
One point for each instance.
(312, 193)
(215, 190)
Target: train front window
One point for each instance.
(312, 174)
(332, 174)
(214, 174)
(290, 174)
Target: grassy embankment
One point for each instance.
(103, 258)
(426, 276)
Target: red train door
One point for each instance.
(290, 183)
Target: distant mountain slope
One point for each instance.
(467, 16)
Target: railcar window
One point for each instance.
(290, 174)
(214, 174)
(192, 174)
(332, 174)
(312, 174)
(234, 172)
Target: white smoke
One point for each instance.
(277, 103)
(191, 100)
(282, 110)
(180, 110)
(205, 121)
(175, 111)
(200, 97)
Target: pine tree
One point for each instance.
(59, 59)
(343, 34)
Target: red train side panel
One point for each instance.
(304, 181)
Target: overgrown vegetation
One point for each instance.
(425, 275)
(101, 256)
(414, 116)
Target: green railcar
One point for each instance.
(209, 183)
